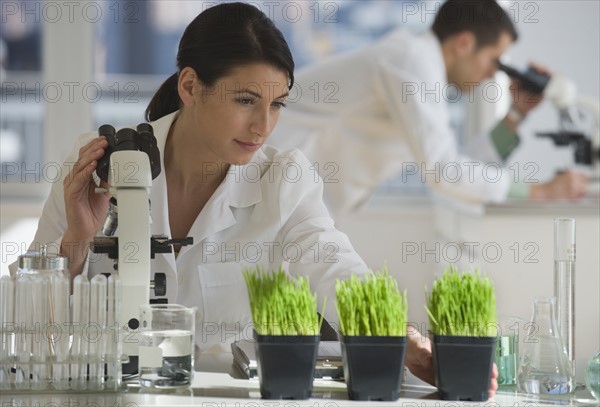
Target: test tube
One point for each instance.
(98, 288)
(23, 340)
(564, 282)
(111, 351)
(7, 321)
(41, 343)
(60, 340)
(79, 348)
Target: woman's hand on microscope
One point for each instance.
(85, 209)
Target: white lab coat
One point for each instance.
(362, 116)
(266, 212)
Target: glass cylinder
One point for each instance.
(49, 273)
(564, 282)
(42, 308)
(43, 300)
(7, 328)
(545, 367)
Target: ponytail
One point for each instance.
(165, 100)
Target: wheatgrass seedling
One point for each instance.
(462, 304)
(281, 305)
(371, 307)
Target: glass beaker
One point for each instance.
(166, 346)
(544, 366)
(507, 351)
(592, 376)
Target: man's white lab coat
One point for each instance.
(363, 117)
(267, 212)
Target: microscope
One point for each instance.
(130, 163)
(579, 116)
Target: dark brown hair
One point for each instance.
(486, 19)
(218, 40)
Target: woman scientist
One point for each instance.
(242, 202)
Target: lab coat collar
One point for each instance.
(242, 181)
(161, 128)
(159, 199)
(241, 188)
(436, 45)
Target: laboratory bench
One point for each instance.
(214, 385)
(513, 242)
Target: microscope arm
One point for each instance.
(562, 92)
(130, 179)
(590, 104)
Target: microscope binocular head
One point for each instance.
(127, 139)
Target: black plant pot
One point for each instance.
(463, 366)
(286, 365)
(373, 366)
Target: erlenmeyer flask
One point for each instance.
(544, 367)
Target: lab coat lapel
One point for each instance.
(214, 217)
(240, 189)
(158, 193)
(160, 215)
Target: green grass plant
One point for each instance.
(281, 305)
(462, 304)
(371, 307)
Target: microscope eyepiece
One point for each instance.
(145, 127)
(530, 80)
(106, 130)
(127, 139)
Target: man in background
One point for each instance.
(382, 107)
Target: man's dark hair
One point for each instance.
(486, 19)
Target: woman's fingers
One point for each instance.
(91, 152)
(104, 184)
(494, 381)
(85, 165)
(92, 145)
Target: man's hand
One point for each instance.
(419, 361)
(566, 185)
(523, 101)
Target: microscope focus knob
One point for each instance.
(160, 284)
(133, 324)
